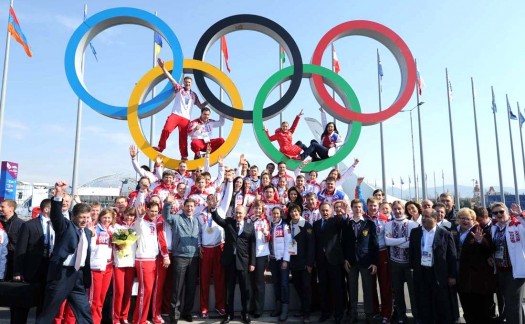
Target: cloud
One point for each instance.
(68, 22)
(118, 138)
(16, 129)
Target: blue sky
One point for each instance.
(471, 38)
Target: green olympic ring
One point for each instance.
(332, 79)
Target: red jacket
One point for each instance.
(285, 140)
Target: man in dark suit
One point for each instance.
(12, 225)
(238, 256)
(32, 253)
(329, 258)
(432, 255)
(69, 273)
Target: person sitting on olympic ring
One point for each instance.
(330, 140)
(200, 131)
(180, 114)
(284, 136)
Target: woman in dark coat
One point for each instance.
(476, 281)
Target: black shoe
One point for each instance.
(227, 319)
(246, 319)
(187, 318)
(197, 156)
(323, 318)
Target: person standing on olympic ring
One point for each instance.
(184, 100)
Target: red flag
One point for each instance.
(224, 49)
(335, 62)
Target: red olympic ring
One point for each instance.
(386, 37)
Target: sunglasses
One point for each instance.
(501, 212)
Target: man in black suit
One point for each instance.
(238, 256)
(12, 225)
(329, 258)
(432, 255)
(32, 253)
(69, 273)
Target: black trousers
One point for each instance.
(330, 287)
(232, 275)
(257, 285)
(301, 281)
(433, 302)
(185, 274)
(476, 307)
(70, 286)
(19, 314)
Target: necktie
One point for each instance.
(238, 227)
(80, 249)
(47, 248)
(322, 224)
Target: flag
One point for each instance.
(90, 44)
(393, 184)
(401, 181)
(450, 97)
(16, 32)
(420, 84)
(494, 107)
(224, 49)
(158, 43)
(335, 61)
(409, 180)
(511, 114)
(282, 55)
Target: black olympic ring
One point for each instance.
(267, 27)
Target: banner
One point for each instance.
(8, 176)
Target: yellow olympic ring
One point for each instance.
(155, 75)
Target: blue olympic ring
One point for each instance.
(100, 22)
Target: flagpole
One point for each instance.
(76, 156)
(512, 153)
(280, 85)
(456, 197)
(4, 82)
(521, 135)
(220, 88)
(333, 69)
(435, 186)
(383, 174)
(502, 194)
(152, 118)
(409, 188)
(480, 173)
(443, 179)
(423, 180)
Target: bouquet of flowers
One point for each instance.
(124, 239)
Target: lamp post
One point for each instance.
(413, 151)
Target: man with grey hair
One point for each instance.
(238, 256)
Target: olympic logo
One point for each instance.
(319, 76)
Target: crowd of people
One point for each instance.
(189, 227)
(179, 229)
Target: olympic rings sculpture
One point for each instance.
(350, 113)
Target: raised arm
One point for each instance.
(143, 173)
(57, 219)
(296, 121)
(226, 198)
(348, 173)
(175, 84)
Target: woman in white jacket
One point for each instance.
(101, 262)
(508, 239)
(262, 251)
(124, 270)
(279, 258)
